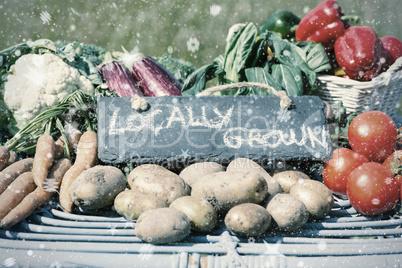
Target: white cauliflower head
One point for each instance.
(39, 81)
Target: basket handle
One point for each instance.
(285, 100)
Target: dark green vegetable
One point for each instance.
(181, 69)
(93, 53)
(267, 59)
(283, 22)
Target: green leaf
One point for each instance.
(85, 67)
(316, 57)
(260, 75)
(196, 81)
(291, 55)
(290, 78)
(259, 52)
(238, 51)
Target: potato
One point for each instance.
(286, 179)
(132, 203)
(248, 219)
(157, 180)
(245, 164)
(97, 187)
(317, 198)
(162, 226)
(288, 212)
(225, 190)
(203, 217)
(193, 172)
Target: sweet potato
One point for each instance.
(13, 158)
(15, 192)
(36, 198)
(10, 173)
(4, 156)
(43, 159)
(87, 151)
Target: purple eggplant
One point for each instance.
(119, 79)
(153, 79)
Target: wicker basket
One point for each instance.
(383, 93)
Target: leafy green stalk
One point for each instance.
(237, 52)
(46, 122)
(292, 67)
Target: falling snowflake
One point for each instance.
(51, 185)
(389, 181)
(45, 17)
(193, 44)
(251, 240)
(375, 201)
(184, 154)
(214, 10)
(112, 230)
(146, 252)
(75, 12)
(205, 202)
(9, 262)
(177, 75)
(306, 9)
(286, 53)
(170, 49)
(129, 225)
(55, 264)
(322, 246)
(215, 203)
(157, 129)
(274, 256)
(283, 115)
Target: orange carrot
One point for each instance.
(36, 198)
(87, 152)
(10, 173)
(66, 201)
(4, 156)
(15, 192)
(43, 159)
(73, 139)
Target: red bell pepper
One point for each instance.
(360, 53)
(322, 24)
(394, 47)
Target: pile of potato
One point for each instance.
(168, 206)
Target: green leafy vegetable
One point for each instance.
(197, 80)
(315, 56)
(179, 68)
(259, 75)
(292, 67)
(238, 51)
(95, 54)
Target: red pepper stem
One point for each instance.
(353, 18)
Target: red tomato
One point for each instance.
(398, 179)
(394, 162)
(399, 140)
(373, 134)
(337, 169)
(372, 190)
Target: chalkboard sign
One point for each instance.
(212, 128)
